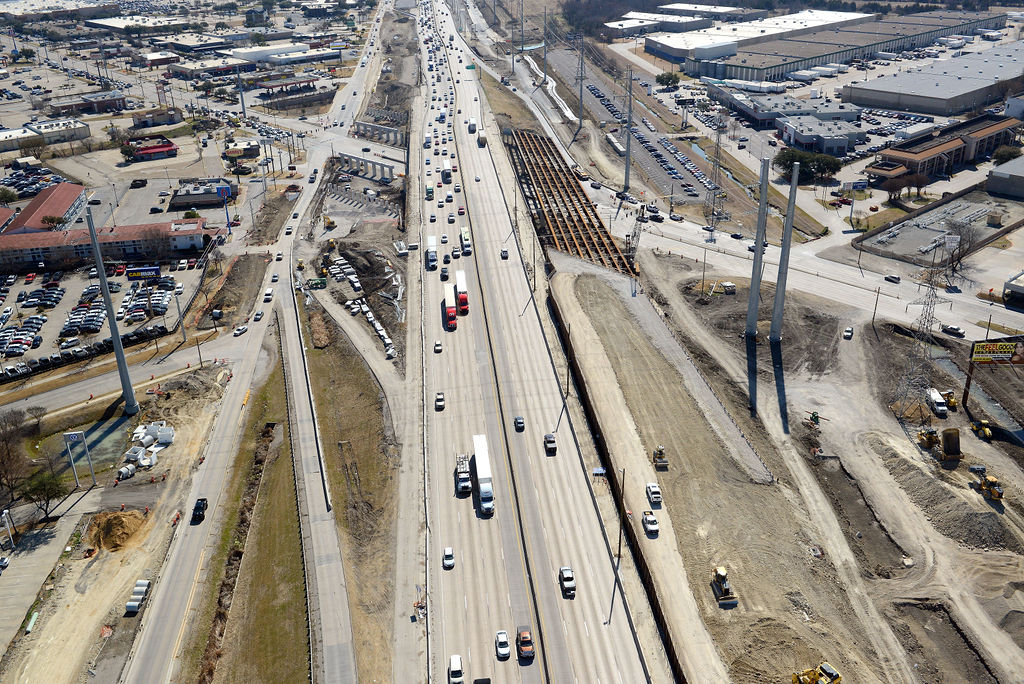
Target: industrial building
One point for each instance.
(634, 23)
(763, 110)
(776, 57)
(725, 39)
(1007, 179)
(940, 152)
(945, 87)
(717, 12)
(813, 134)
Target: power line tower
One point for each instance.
(633, 239)
(580, 76)
(916, 378)
(714, 211)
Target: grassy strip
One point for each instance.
(260, 411)
(1004, 329)
(362, 472)
(268, 629)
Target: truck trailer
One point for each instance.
(484, 482)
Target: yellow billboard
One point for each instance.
(1008, 350)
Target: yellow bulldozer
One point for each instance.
(823, 674)
(928, 438)
(329, 223)
(988, 485)
(950, 397)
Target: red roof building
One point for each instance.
(67, 248)
(63, 199)
(153, 147)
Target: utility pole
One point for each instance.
(545, 39)
(759, 246)
(522, 27)
(629, 122)
(131, 404)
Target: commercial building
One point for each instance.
(138, 24)
(717, 12)
(194, 43)
(774, 59)
(242, 149)
(195, 193)
(311, 55)
(159, 58)
(763, 110)
(210, 67)
(813, 134)
(726, 39)
(161, 116)
(153, 147)
(35, 10)
(634, 23)
(1015, 106)
(940, 152)
(65, 248)
(1007, 179)
(945, 87)
(261, 53)
(43, 133)
(63, 199)
(91, 103)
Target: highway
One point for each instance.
(494, 367)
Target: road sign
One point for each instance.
(223, 191)
(143, 272)
(860, 185)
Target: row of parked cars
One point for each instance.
(686, 163)
(85, 351)
(29, 182)
(15, 340)
(139, 301)
(607, 102)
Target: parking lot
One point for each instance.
(54, 318)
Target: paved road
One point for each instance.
(494, 367)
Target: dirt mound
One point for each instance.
(112, 531)
(1013, 624)
(321, 333)
(772, 652)
(946, 511)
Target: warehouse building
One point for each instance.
(944, 87)
(764, 110)
(940, 152)
(717, 12)
(725, 39)
(634, 23)
(1007, 179)
(813, 134)
(772, 60)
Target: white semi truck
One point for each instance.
(484, 481)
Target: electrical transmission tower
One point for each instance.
(714, 211)
(633, 239)
(580, 76)
(915, 380)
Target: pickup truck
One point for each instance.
(524, 643)
(199, 512)
(654, 493)
(567, 580)
(650, 523)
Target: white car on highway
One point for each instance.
(241, 330)
(502, 646)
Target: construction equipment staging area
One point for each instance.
(558, 205)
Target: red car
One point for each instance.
(29, 278)
(462, 210)
(119, 270)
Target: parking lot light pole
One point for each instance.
(131, 404)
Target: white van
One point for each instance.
(456, 675)
(937, 403)
(268, 295)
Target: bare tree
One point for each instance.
(970, 236)
(894, 186)
(217, 258)
(12, 456)
(38, 412)
(918, 181)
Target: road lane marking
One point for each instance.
(188, 607)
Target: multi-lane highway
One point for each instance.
(493, 367)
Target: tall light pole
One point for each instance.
(131, 404)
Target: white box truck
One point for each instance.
(484, 482)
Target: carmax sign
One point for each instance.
(142, 272)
